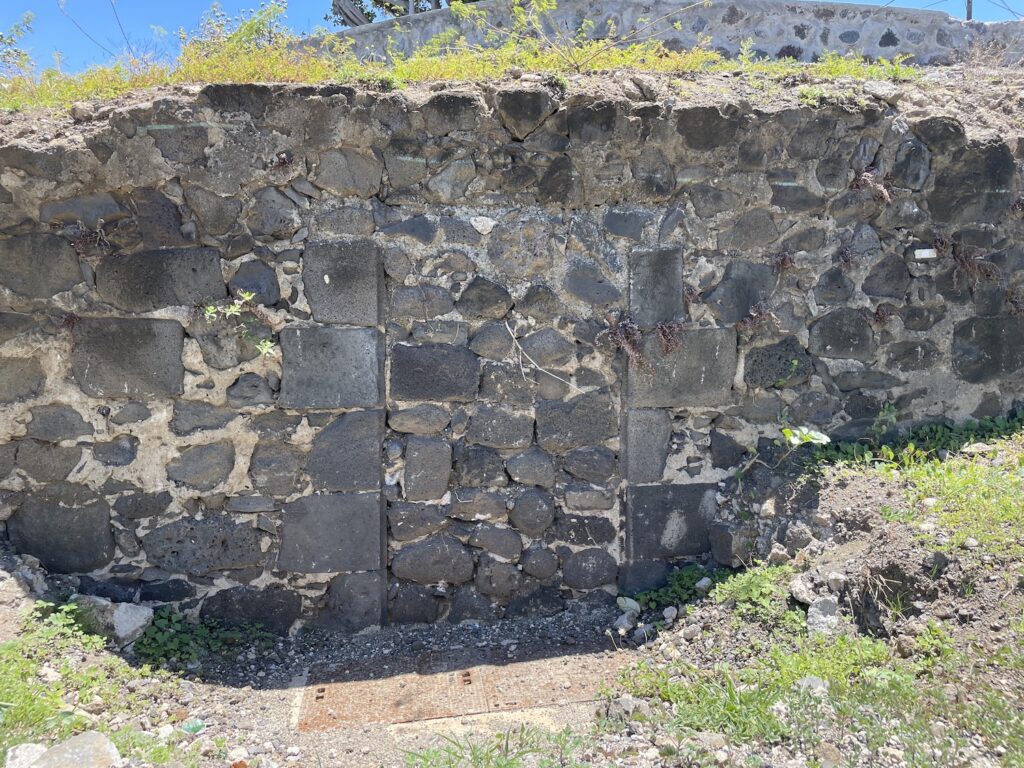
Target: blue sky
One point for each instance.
(142, 20)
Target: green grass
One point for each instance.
(257, 47)
(514, 748)
(870, 691)
(759, 594)
(36, 709)
(681, 587)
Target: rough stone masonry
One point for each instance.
(520, 338)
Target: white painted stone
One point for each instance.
(122, 623)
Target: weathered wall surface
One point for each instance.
(457, 420)
(800, 30)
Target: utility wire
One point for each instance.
(80, 28)
(127, 42)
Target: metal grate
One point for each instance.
(464, 682)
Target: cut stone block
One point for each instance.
(342, 281)
(648, 432)
(149, 280)
(116, 357)
(67, 527)
(346, 453)
(667, 521)
(332, 532)
(330, 368)
(428, 467)
(699, 371)
(441, 372)
(656, 285)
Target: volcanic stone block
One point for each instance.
(203, 466)
(166, 591)
(523, 110)
(497, 579)
(742, 287)
(496, 427)
(422, 302)
(275, 467)
(889, 278)
(203, 546)
(350, 172)
(143, 282)
(413, 604)
(115, 357)
(539, 562)
(753, 229)
(583, 530)
(250, 389)
(53, 423)
(136, 506)
(412, 521)
(346, 453)
(533, 467)
(330, 368)
(45, 462)
(548, 348)
(38, 266)
(585, 420)
(648, 432)
(843, 333)
(274, 609)
(503, 542)
(217, 214)
(483, 299)
(655, 285)
(666, 521)
(119, 452)
(67, 526)
(697, 372)
(476, 465)
(273, 214)
(912, 166)
(589, 568)
(913, 355)
(342, 281)
(976, 186)
(435, 559)
(533, 512)
(425, 419)
(355, 601)
(475, 504)
(833, 287)
(784, 364)
(704, 128)
(434, 372)
(428, 468)
(988, 348)
(258, 278)
(595, 464)
(191, 416)
(447, 112)
(332, 532)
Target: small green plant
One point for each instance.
(173, 638)
(757, 594)
(811, 95)
(513, 748)
(244, 314)
(681, 587)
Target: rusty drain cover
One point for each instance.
(453, 684)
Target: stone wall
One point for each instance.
(521, 339)
(799, 30)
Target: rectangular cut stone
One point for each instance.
(345, 455)
(331, 533)
(342, 281)
(149, 280)
(648, 432)
(699, 371)
(655, 285)
(330, 367)
(119, 357)
(434, 372)
(666, 521)
(428, 467)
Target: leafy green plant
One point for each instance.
(681, 587)
(173, 638)
(758, 594)
(244, 314)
